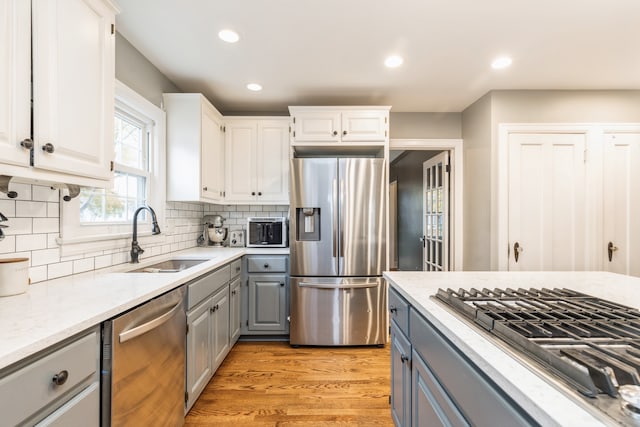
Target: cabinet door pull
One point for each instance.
(205, 188)
(393, 309)
(517, 249)
(610, 250)
(48, 148)
(281, 283)
(253, 193)
(27, 143)
(403, 358)
(335, 133)
(344, 132)
(266, 265)
(259, 193)
(60, 378)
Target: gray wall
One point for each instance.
(407, 170)
(134, 70)
(425, 125)
(480, 123)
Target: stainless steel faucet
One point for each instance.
(2, 219)
(136, 250)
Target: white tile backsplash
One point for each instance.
(34, 226)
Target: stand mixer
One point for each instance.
(217, 234)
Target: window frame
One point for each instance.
(76, 237)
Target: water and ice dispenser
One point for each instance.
(308, 224)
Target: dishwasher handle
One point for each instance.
(152, 324)
(319, 285)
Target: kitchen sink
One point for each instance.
(169, 266)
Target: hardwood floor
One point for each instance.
(273, 384)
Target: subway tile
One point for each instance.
(38, 274)
(18, 226)
(8, 208)
(59, 269)
(82, 265)
(53, 210)
(71, 257)
(31, 209)
(45, 256)
(31, 242)
(8, 245)
(102, 261)
(44, 194)
(46, 225)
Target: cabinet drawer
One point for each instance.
(236, 267)
(31, 388)
(82, 410)
(399, 310)
(204, 286)
(267, 264)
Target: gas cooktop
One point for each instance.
(590, 344)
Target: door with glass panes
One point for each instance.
(435, 202)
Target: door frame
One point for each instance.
(454, 146)
(594, 149)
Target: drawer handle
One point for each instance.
(393, 309)
(152, 324)
(281, 283)
(266, 265)
(60, 378)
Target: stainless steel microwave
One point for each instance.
(267, 232)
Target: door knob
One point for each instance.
(516, 250)
(610, 250)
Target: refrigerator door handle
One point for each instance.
(334, 237)
(341, 242)
(337, 285)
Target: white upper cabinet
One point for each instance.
(195, 149)
(73, 64)
(15, 41)
(257, 160)
(347, 125)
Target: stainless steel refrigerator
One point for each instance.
(337, 245)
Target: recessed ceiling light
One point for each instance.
(393, 61)
(229, 36)
(254, 87)
(500, 63)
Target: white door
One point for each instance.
(212, 156)
(621, 246)
(15, 97)
(435, 202)
(240, 182)
(73, 86)
(272, 161)
(547, 202)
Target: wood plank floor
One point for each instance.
(273, 384)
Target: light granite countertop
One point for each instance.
(550, 403)
(54, 310)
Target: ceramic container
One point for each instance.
(14, 276)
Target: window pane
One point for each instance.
(115, 205)
(130, 143)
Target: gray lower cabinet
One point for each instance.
(209, 312)
(58, 387)
(434, 384)
(267, 301)
(235, 300)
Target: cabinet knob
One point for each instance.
(403, 358)
(48, 148)
(344, 132)
(253, 193)
(60, 378)
(266, 265)
(259, 193)
(393, 309)
(27, 143)
(205, 188)
(281, 283)
(335, 133)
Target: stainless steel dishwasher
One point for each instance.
(143, 364)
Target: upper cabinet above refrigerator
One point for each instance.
(339, 129)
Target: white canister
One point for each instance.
(14, 276)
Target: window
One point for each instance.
(131, 173)
(106, 214)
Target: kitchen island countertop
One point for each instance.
(546, 402)
(54, 310)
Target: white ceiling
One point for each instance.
(331, 52)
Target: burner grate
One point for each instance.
(591, 343)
